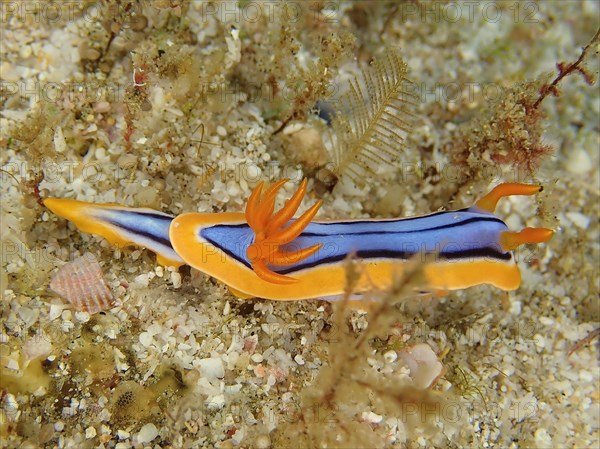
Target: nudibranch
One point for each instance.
(268, 254)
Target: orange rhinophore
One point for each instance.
(271, 233)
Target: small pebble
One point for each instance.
(147, 433)
(542, 438)
(82, 317)
(423, 363)
(262, 442)
(579, 161)
(145, 339)
(102, 107)
(212, 368)
(578, 219)
(390, 356)
(539, 341)
(55, 311)
(176, 279)
(25, 51)
(371, 417)
(60, 145)
(10, 405)
(12, 364)
(252, 173)
(586, 376)
(226, 309)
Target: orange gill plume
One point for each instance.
(271, 232)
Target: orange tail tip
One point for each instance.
(510, 240)
(490, 201)
(270, 233)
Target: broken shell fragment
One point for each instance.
(82, 284)
(425, 367)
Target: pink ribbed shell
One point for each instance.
(82, 284)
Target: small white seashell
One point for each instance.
(425, 367)
(82, 284)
